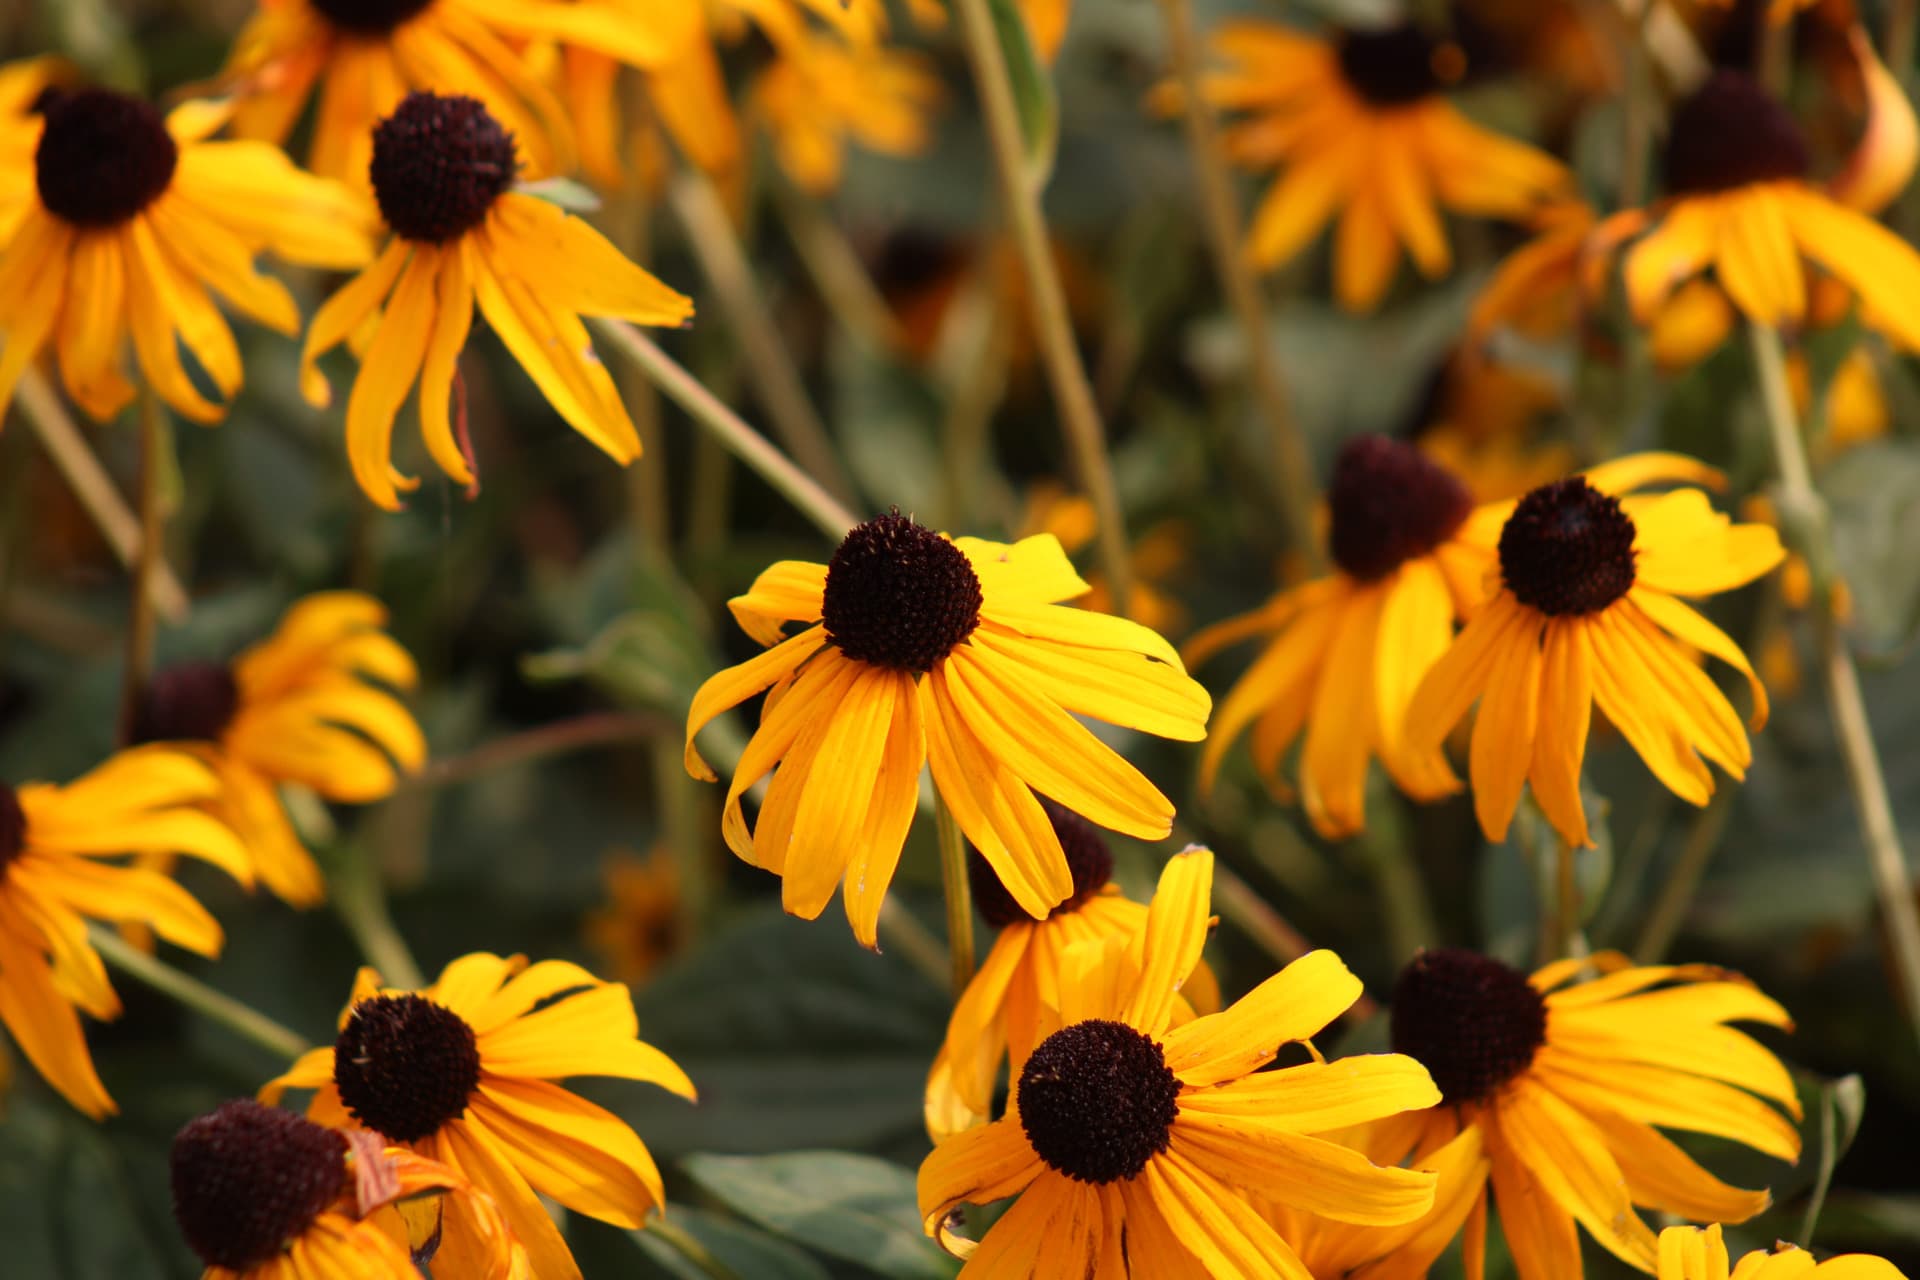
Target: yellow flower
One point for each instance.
(54, 877)
(1349, 649)
(1586, 612)
(920, 649)
(295, 708)
(642, 925)
(134, 223)
(1360, 124)
(1854, 409)
(1130, 1146)
(1158, 556)
(462, 1072)
(260, 1194)
(1565, 1085)
(1691, 1253)
(22, 86)
(820, 93)
(443, 172)
(364, 56)
(999, 1014)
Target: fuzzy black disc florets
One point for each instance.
(1390, 503)
(187, 702)
(1471, 1021)
(899, 595)
(439, 163)
(1567, 549)
(1088, 858)
(249, 1179)
(405, 1065)
(1732, 132)
(1390, 66)
(102, 158)
(369, 17)
(1097, 1100)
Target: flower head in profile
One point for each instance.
(1131, 1144)
(1567, 1084)
(821, 93)
(364, 56)
(1000, 1014)
(1588, 612)
(299, 707)
(919, 649)
(1360, 126)
(443, 173)
(137, 223)
(463, 1072)
(1696, 1253)
(60, 866)
(261, 1194)
(1349, 649)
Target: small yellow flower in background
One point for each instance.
(365, 56)
(54, 877)
(1695, 1253)
(463, 1072)
(443, 173)
(299, 707)
(1535, 290)
(1854, 408)
(1131, 1146)
(135, 224)
(1350, 648)
(999, 1015)
(1587, 612)
(261, 1194)
(1360, 125)
(920, 649)
(1158, 555)
(820, 93)
(1565, 1083)
(641, 926)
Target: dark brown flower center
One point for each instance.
(899, 595)
(103, 157)
(1567, 549)
(1088, 858)
(13, 826)
(248, 1180)
(405, 1065)
(438, 166)
(1390, 503)
(369, 17)
(1471, 1021)
(187, 702)
(1732, 132)
(1392, 66)
(1097, 1100)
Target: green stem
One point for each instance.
(146, 569)
(836, 269)
(953, 879)
(1636, 116)
(241, 1019)
(1072, 393)
(726, 426)
(1803, 516)
(901, 931)
(1268, 929)
(683, 1243)
(361, 901)
(1683, 879)
(1896, 44)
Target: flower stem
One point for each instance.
(1803, 516)
(953, 879)
(140, 621)
(1293, 469)
(243, 1020)
(726, 426)
(1636, 115)
(1072, 393)
(1683, 880)
(361, 901)
(683, 1243)
(836, 269)
(1237, 901)
(1896, 44)
(709, 231)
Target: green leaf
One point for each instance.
(1841, 1105)
(747, 1251)
(847, 1206)
(1033, 95)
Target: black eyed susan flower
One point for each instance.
(296, 708)
(1349, 649)
(1158, 555)
(364, 56)
(261, 1194)
(1587, 612)
(644, 922)
(55, 876)
(443, 172)
(1361, 126)
(23, 88)
(1131, 1147)
(1000, 1014)
(463, 1072)
(917, 649)
(821, 93)
(1695, 1253)
(136, 223)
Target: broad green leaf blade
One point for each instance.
(1033, 94)
(747, 1251)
